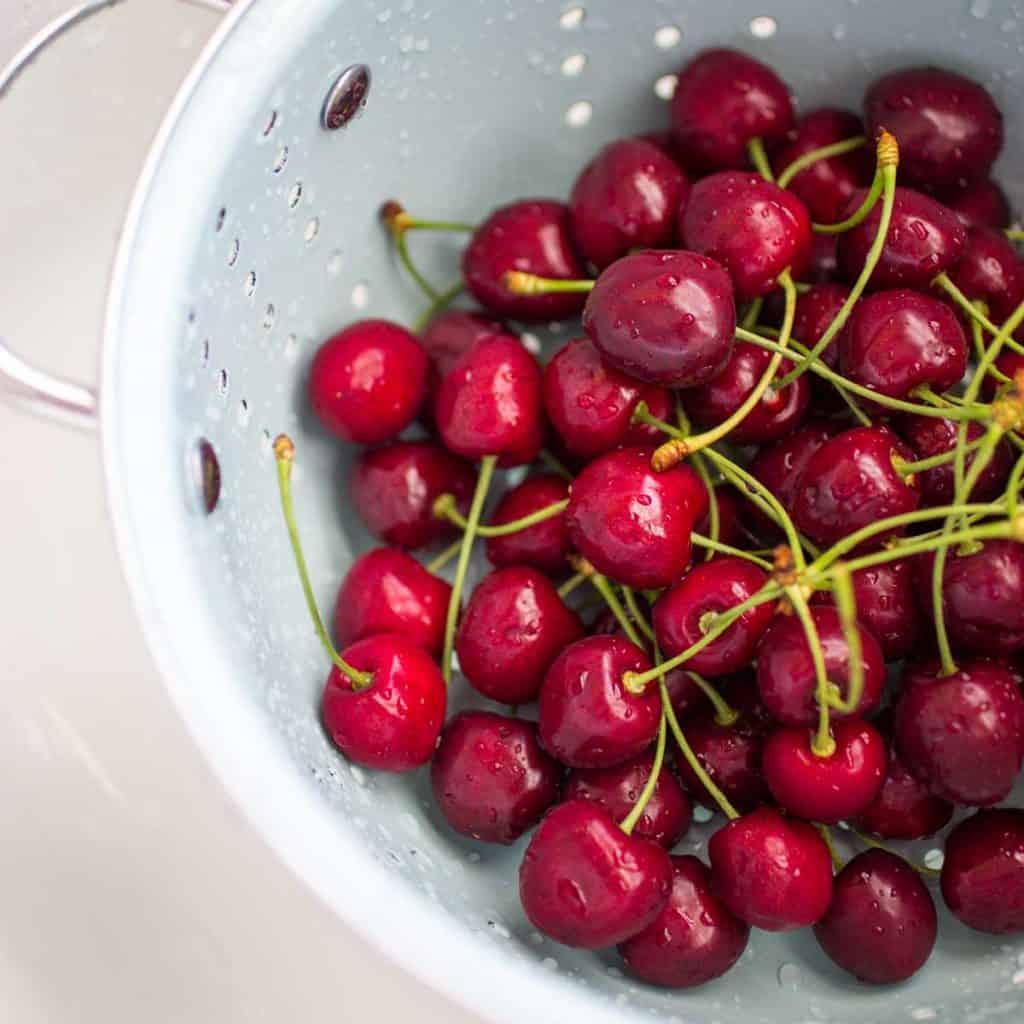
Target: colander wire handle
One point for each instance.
(36, 390)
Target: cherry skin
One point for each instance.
(490, 777)
(949, 129)
(732, 511)
(368, 381)
(584, 883)
(632, 523)
(663, 316)
(532, 235)
(626, 198)
(823, 261)
(452, 333)
(693, 940)
(543, 545)
(990, 270)
(983, 872)
(666, 816)
(723, 99)
(393, 723)
(983, 203)
(752, 227)
(904, 808)
(388, 591)
(785, 670)
(815, 311)
(709, 589)
(587, 717)
(881, 924)
(775, 873)
(1009, 364)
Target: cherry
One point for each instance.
(512, 629)
(904, 808)
(815, 311)
(666, 815)
(881, 924)
(949, 129)
(751, 226)
(663, 316)
(626, 198)
(731, 512)
(585, 883)
(989, 270)
(368, 381)
(491, 779)
(982, 203)
(723, 100)
(543, 545)
(1009, 364)
(532, 235)
(452, 333)
(632, 523)
(588, 718)
(983, 873)
(388, 591)
(785, 671)
(962, 734)
(772, 872)
(693, 940)
(823, 260)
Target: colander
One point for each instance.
(253, 234)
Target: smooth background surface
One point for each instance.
(130, 890)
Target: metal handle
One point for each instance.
(36, 390)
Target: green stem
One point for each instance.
(846, 605)
(521, 283)
(1013, 487)
(823, 744)
(934, 461)
(402, 248)
(415, 224)
(439, 305)
(752, 312)
(714, 516)
(634, 611)
(725, 713)
(858, 215)
(921, 869)
(944, 281)
(826, 834)
(801, 163)
(1015, 234)
(629, 822)
(607, 592)
(440, 561)
(717, 547)
(444, 508)
(759, 158)
(571, 584)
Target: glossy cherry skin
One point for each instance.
(924, 239)
(825, 789)
(823, 261)
(983, 203)
(666, 816)
(712, 588)
(491, 779)
(962, 734)
(904, 808)
(663, 316)
(752, 227)
(785, 671)
(632, 523)
(489, 403)
(532, 235)
(368, 381)
(775, 873)
(626, 198)
(394, 488)
(850, 482)
(990, 270)
(815, 311)
(388, 591)
(881, 924)
(587, 718)
(983, 873)
(723, 99)
(452, 333)
(694, 939)
(393, 723)
(949, 129)
(514, 626)
(543, 545)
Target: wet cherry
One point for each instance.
(983, 203)
(904, 808)
(543, 545)
(990, 270)
(815, 311)
(451, 334)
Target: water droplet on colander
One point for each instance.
(789, 975)
(701, 814)
(291, 347)
(384, 16)
(572, 17)
(923, 1013)
(550, 963)
(980, 8)
(934, 859)
(665, 87)
(333, 265)
(531, 342)
(839, 33)
(579, 114)
(360, 295)
(763, 27)
(574, 64)
(667, 36)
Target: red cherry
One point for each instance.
(990, 270)
(452, 333)
(823, 261)
(543, 545)
(1009, 364)
(815, 311)
(904, 809)
(491, 779)
(732, 511)
(982, 203)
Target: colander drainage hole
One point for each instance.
(579, 114)
(574, 64)
(281, 160)
(572, 17)
(204, 352)
(243, 413)
(763, 27)
(291, 347)
(233, 252)
(295, 195)
(667, 36)
(222, 382)
(312, 229)
(271, 124)
(269, 316)
(207, 475)
(221, 215)
(250, 282)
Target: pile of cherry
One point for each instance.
(783, 461)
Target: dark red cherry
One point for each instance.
(666, 816)
(983, 873)
(452, 333)
(588, 719)
(962, 734)
(632, 523)
(904, 808)
(694, 939)
(393, 723)
(544, 545)
(785, 671)
(881, 924)
(626, 198)
(990, 270)
(825, 789)
(823, 260)
(752, 227)
(514, 626)
(388, 591)
(585, 883)
(949, 129)
(663, 316)
(491, 779)
(489, 403)
(532, 235)
(1009, 364)
(773, 872)
(723, 99)
(732, 513)
(368, 381)
(815, 311)
(983, 203)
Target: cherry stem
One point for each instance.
(846, 605)
(978, 339)
(1013, 487)
(751, 313)
(518, 282)
(1015, 234)
(759, 158)
(717, 547)
(437, 563)
(402, 248)
(826, 835)
(944, 281)
(714, 514)
(554, 464)
(571, 584)
(638, 617)
(921, 869)
(439, 305)
(801, 163)
(933, 461)
(444, 508)
(607, 592)
(725, 713)
(823, 745)
(284, 454)
(858, 215)
(398, 220)
(628, 823)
